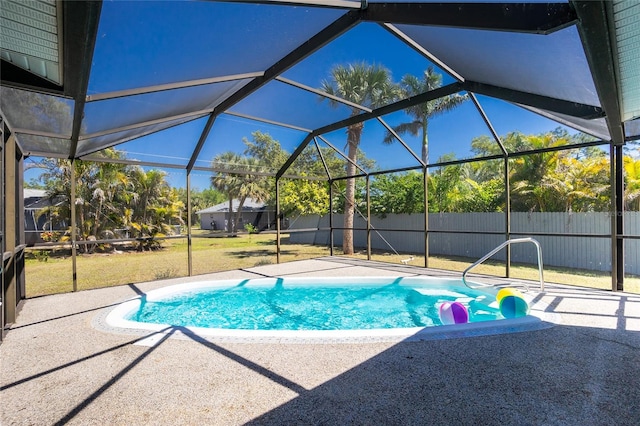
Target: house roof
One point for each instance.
(249, 205)
(34, 193)
(36, 199)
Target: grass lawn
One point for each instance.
(552, 274)
(209, 254)
(219, 253)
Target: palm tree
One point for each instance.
(369, 86)
(225, 182)
(410, 85)
(252, 185)
(168, 211)
(149, 187)
(153, 206)
(576, 185)
(112, 181)
(98, 185)
(448, 187)
(248, 182)
(528, 172)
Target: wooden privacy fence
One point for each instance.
(574, 249)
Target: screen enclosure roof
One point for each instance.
(175, 83)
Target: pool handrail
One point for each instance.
(500, 247)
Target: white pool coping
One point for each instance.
(113, 320)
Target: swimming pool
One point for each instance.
(312, 308)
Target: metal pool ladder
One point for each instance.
(500, 247)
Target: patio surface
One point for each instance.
(58, 368)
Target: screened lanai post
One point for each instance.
(189, 248)
(507, 215)
(616, 213)
(19, 255)
(192, 161)
(596, 18)
(2, 236)
(11, 230)
(612, 215)
(620, 217)
(277, 220)
(330, 217)
(617, 217)
(425, 177)
(426, 209)
(368, 217)
(72, 208)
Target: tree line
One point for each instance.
(567, 180)
(113, 196)
(112, 200)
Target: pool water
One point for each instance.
(313, 304)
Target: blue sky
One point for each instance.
(148, 43)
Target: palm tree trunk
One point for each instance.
(353, 139)
(425, 143)
(238, 215)
(96, 222)
(81, 227)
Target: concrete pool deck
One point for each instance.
(58, 368)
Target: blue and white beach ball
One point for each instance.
(513, 306)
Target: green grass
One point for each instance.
(209, 254)
(552, 274)
(214, 253)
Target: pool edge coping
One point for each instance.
(539, 318)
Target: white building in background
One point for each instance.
(37, 214)
(258, 214)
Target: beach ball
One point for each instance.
(508, 292)
(453, 313)
(512, 306)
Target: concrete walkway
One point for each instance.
(58, 368)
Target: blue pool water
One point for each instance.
(312, 304)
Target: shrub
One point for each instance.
(165, 274)
(250, 228)
(264, 261)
